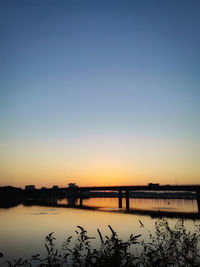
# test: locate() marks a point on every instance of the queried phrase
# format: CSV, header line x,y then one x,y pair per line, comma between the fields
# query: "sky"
x,y
99,92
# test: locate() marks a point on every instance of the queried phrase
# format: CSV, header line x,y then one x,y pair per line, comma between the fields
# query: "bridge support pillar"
x,y
54,201
71,201
51,201
127,200
198,200
120,199
81,199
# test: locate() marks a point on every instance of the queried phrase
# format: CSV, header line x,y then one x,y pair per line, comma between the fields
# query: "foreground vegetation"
x,y
166,247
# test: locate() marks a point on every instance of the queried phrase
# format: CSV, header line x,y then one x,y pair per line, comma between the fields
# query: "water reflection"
x,y
23,228
139,204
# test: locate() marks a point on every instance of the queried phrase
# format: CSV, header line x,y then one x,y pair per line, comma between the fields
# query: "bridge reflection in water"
x,y
124,191
78,197
170,208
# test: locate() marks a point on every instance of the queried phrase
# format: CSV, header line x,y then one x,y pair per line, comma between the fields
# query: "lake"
x,y
23,228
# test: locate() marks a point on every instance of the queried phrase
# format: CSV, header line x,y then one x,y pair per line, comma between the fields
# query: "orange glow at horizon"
x,y
100,160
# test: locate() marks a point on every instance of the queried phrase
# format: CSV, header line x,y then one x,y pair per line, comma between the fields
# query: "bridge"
x,y
10,196
75,192
127,189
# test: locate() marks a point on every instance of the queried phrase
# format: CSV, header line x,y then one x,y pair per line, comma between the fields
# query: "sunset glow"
x,y
99,93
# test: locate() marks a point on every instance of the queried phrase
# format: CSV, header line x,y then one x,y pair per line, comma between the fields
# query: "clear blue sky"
x,y
75,70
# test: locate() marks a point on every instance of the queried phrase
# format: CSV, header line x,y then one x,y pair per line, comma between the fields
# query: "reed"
x,y
167,246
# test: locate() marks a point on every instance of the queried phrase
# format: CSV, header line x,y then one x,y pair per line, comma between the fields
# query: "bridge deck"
x,y
193,188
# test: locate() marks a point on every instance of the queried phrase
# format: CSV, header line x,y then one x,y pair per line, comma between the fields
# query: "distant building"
x,y
43,188
72,185
29,187
153,185
55,186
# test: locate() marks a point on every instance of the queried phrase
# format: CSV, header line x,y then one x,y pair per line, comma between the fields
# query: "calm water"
x,y
23,228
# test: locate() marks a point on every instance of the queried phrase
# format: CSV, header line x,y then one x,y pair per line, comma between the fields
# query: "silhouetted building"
x,y
153,185
72,185
55,186
29,187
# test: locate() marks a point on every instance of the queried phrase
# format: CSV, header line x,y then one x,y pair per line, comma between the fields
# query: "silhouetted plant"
x,y
172,246
18,263
167,247
116,252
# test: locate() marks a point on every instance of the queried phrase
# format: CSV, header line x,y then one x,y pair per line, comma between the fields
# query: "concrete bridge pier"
x,y
127,200
120,199
198,200
81,198
51,200
71,201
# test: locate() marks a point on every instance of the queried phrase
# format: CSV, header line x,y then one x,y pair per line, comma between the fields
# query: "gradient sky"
x,y
99,92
